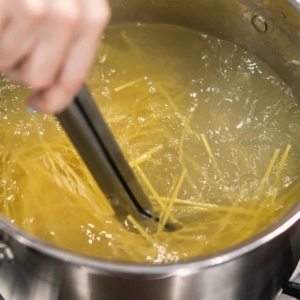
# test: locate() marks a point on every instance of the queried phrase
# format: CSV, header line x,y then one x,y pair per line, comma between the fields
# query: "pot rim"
x,y
186,267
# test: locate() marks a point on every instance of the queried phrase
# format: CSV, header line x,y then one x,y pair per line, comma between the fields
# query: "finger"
x,y
55,38
18,35
79,61
4,15
52,100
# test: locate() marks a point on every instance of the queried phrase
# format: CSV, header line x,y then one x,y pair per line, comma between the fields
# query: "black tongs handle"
x,y
292,289
98,148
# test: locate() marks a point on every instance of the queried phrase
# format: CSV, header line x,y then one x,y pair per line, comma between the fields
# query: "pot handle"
x,y
292,289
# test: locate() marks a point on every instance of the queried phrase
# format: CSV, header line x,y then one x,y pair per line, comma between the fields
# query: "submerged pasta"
x,y
209,130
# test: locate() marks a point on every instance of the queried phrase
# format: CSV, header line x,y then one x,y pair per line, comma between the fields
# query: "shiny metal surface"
x,y
94,141
254,270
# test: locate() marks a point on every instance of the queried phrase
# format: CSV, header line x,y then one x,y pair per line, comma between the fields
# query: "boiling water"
x,y
210,131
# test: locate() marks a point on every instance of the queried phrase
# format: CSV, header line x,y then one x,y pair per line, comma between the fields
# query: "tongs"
x,y
98,148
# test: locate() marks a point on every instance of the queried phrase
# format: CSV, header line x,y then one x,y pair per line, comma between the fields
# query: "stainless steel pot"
x,y
254,270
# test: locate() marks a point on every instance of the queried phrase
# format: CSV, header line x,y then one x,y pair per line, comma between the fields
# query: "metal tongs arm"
x,y
98,148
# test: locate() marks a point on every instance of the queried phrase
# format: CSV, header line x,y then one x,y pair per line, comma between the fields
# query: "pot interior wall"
x,y
278,46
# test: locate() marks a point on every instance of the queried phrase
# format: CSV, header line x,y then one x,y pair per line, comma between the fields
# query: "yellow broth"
x,y
210,131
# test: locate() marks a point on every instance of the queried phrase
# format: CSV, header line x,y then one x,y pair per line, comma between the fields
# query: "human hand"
x,y
50,46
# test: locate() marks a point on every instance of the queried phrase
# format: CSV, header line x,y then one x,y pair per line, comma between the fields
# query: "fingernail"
x,y
31,110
